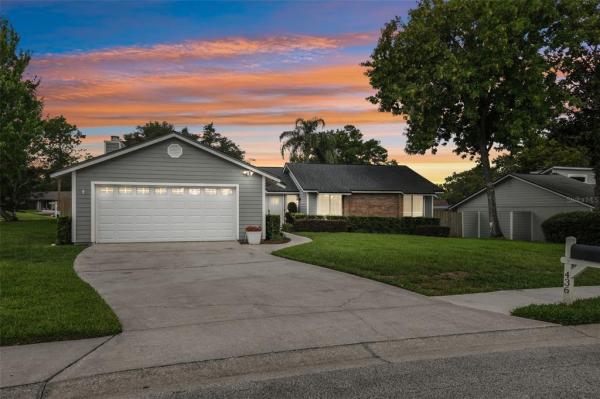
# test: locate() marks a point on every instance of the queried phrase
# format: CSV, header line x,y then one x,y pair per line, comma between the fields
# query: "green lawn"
x,y
439,266
41,297
583,311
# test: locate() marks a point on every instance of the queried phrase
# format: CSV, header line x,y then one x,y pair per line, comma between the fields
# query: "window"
x,y
125,190
143,190
413,205
195,191
160,190
274,204
226,191
329,204
210,191
106,190
177,190
581,178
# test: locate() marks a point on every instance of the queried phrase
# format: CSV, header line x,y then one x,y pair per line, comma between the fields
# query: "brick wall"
x,y
388,205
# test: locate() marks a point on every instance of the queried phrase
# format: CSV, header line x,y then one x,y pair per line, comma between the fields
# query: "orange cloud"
x,y
210,49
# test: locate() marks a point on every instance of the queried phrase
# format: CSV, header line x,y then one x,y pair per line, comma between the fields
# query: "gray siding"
x,y
303,202
312,204
515,195
152,164
522,225
469,224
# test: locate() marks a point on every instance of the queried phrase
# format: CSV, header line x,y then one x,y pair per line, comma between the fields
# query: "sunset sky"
x,y
252,68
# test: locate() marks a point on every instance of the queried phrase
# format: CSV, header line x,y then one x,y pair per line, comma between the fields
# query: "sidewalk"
x,y
505,301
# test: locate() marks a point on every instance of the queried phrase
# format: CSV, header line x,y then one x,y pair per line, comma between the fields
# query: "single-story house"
x,y
175,189
43,201
351,190
524,202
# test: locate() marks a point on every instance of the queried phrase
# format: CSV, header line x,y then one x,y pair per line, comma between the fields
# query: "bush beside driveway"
x,y
42,298
439,266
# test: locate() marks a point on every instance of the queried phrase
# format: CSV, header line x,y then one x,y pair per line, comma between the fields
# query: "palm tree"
x,y
302,142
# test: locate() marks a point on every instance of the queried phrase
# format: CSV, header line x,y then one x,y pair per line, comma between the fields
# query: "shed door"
x,y
137,213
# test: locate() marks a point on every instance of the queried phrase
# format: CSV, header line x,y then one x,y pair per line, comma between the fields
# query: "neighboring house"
x,y
43,201
524,202
351,190
584,175
175,189
167,189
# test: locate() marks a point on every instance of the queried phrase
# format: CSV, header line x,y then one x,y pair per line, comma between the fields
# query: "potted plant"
x,y
253,234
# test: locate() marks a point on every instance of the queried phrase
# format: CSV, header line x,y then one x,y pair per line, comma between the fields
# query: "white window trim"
x,y
329,194
585,177
94,183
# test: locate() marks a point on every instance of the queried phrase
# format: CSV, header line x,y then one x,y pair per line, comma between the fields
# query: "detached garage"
x,y
167,189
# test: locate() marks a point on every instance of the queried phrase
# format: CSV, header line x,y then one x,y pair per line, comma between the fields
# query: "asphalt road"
x,y
572,372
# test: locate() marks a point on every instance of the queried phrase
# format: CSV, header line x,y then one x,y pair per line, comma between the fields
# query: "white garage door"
x,y
138,213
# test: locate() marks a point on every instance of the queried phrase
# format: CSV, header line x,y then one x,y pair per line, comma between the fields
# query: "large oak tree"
x,y
479,74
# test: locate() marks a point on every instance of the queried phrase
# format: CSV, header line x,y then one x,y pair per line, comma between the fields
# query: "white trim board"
x,y
127,150
93,185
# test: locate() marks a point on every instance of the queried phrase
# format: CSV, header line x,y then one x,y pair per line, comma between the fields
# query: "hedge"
x,y
63,230
321,225
432,230
273,227
368,224
585,226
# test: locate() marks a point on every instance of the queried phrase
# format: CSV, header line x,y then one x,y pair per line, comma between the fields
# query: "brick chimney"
x,y
113,144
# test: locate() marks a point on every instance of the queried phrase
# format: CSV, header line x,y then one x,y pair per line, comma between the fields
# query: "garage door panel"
x,y
140,213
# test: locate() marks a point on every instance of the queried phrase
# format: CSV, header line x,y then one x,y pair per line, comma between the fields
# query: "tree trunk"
x,y
495,231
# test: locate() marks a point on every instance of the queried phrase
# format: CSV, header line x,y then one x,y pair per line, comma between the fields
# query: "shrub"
x,y
374,224
432,230
321,225
287,227
585,226
292,207
273,227
288,218
63,230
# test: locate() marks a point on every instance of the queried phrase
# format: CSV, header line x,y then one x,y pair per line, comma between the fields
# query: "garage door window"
x,y
143,190
160,190
178,191
125,190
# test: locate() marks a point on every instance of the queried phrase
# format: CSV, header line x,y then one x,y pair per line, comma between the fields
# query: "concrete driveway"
x,y
184,302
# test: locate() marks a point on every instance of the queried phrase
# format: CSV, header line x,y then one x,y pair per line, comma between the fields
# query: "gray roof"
x,y
328,178
566,186
559,184
47,195
285,178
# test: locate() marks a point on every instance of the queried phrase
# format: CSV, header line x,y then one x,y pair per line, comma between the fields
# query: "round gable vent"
x,y
174,150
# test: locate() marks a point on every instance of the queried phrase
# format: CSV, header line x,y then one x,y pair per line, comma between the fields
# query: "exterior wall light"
x,y
248,173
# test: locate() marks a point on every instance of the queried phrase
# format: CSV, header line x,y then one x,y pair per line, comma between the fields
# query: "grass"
x,y
582,311
41,297
439,266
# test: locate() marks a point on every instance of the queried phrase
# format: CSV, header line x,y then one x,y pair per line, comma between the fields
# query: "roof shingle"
x,y
333,178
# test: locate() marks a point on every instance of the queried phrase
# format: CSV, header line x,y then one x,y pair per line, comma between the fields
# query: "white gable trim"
x,y
127,150
524,181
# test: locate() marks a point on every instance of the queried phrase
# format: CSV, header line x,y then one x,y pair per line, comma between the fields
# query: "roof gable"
x,y
130,149
559,185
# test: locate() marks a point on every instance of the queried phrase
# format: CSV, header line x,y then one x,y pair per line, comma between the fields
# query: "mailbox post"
x,y
577,258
